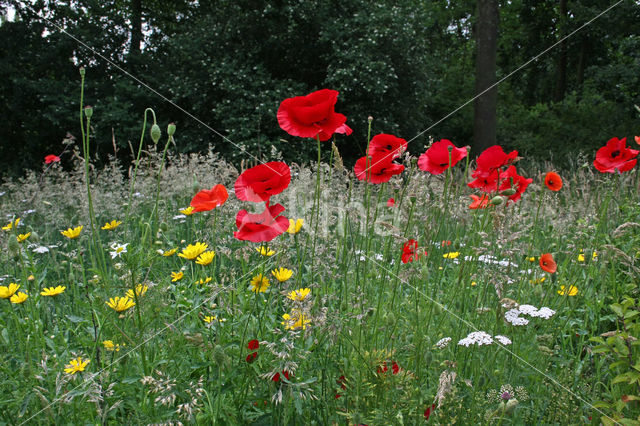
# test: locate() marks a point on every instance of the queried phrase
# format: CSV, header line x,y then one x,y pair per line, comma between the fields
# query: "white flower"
x,y
179,216
476,338
442,343
41,249
544,312
118,249
503,339
513,317
528,310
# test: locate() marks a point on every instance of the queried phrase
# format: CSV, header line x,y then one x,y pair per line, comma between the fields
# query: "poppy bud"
x,y
155,133
195,185
496,201
171,129
370,119
88,111
508,192
81,71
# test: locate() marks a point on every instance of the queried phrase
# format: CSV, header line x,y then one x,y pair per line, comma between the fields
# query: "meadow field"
x,y
415,288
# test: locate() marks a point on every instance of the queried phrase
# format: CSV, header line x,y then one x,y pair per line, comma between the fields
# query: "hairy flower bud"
x,y
171,129
155,133
497,200
88,111
508,192
81,71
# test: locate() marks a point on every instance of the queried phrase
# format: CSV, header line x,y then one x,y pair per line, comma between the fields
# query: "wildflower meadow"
x,y
413,288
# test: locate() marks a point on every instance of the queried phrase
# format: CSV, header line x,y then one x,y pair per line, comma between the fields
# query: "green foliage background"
x,y
230,63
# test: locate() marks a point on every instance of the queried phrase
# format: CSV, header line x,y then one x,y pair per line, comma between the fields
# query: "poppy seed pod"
x,y
81,70
508,192
88,111
171,129
497,200
155,133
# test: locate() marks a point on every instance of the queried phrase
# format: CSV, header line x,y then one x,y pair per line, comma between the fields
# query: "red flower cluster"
x,y
395,368
428,411
258,184
276,377
312,115
410,251
342,382
495,172
440,156
253,345
615,156
209,199
378,166
51,159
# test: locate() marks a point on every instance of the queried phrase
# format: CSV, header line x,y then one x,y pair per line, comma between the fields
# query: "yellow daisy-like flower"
x,y
531,258
176,276
581,257
9,226
171,252
22,237
571,291
209,319
259,284
72,233
140,291
451,255
188,211
299,295
111,225
8,291
120,304
295,226
76,365
192,251
204,281
53,291
264,251
295,320
19,297
206,258
282,274
110,346
473,283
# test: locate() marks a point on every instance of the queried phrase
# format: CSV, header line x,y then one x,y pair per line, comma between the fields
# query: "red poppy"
x,y
510,179
312,115
259,183
344,130
637,138
391,202
547,263
410,251
276,377
252,357
492,159
445,243
553,181
253,345
395,368
377,169
261,227
487,184
436,159
387,144
209,199
428,411
51,159
479,202
615,156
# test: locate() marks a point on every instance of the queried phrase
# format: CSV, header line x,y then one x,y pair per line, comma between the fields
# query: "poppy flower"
x,y
637,138
615,156
261,227
553,181
259,183
391,202
251,357
253,345
547,263
510,179
487,183
209,199
436,159
479,202
377,169
410,251
51,159
312,115
492,159
276,377
387,144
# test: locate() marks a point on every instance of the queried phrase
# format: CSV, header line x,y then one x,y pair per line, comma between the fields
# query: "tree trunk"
x,y
561,74
485,118
136,27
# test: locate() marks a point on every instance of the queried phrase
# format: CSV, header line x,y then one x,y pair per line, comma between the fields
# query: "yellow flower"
x,y
72,233
76,365
192,251
188,211
140,291
295,226
206,258
9,226
581,257
8,291
451,255
22,237
265,251
110,346
538,280
111,225
531,258
259,284
169,252
282,274
571,291
299,295
208,319
120,304
204,281
296,320
176,276
473,283
31,278
53,291
19,297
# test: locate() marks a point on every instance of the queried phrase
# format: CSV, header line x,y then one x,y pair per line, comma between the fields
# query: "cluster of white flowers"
x,y
482,338
502,339
513,317
377,256
491,260
442,343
